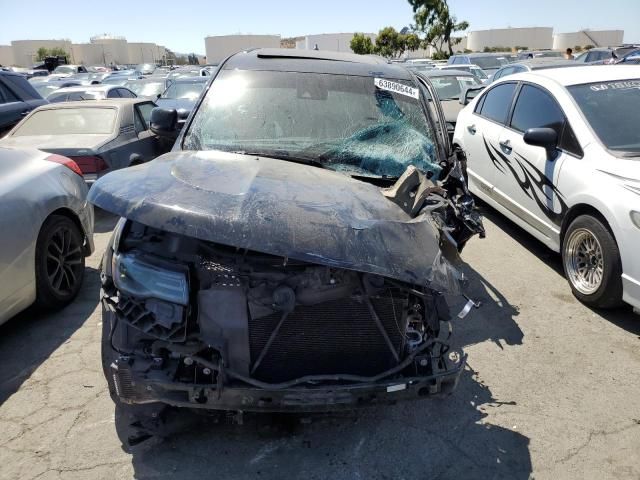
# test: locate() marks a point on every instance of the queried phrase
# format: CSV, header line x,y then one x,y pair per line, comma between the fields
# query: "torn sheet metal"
x,y
280,208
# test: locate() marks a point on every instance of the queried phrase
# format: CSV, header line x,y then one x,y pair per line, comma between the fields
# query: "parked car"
x,y
17,99
100,136
540,63
607,55
67,70
558,152
45,210
488,62
450,86
148,87
89,92
182,95
282,276
532,54
45,88
630,60
146,68
473,69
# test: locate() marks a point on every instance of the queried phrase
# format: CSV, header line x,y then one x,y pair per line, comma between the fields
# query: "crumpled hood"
x,y
280,208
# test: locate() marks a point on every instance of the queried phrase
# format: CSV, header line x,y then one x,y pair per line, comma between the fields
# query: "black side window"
x,y
113,93
536,109
6,95
124,93
496,102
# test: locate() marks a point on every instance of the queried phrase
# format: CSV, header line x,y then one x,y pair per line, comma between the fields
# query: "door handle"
x,y
25,113
506,144
472,129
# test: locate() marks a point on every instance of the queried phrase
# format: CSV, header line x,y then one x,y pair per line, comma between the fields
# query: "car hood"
x,y
56,142
623,169
280,208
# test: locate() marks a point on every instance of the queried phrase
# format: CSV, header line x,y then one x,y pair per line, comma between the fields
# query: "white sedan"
x,y
558,152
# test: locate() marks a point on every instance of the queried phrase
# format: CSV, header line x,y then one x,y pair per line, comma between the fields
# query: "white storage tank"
x,y
220,47
597,38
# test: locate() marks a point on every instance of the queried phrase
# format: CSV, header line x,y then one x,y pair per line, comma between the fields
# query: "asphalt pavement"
x,y
552,391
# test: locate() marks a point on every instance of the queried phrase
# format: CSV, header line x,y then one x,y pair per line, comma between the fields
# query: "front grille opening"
x,y
335,337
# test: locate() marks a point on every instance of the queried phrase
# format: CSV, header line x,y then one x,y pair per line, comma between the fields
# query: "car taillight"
x,y
67,162
90,164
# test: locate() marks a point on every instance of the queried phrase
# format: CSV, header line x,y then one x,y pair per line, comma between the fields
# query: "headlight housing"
x,y
135,276
635,218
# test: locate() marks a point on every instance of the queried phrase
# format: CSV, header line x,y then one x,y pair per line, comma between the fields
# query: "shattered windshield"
x,y
358,125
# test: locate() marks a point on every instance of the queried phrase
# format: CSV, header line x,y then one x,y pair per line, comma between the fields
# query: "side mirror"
x,y
546,138
164,122
158,95
470,93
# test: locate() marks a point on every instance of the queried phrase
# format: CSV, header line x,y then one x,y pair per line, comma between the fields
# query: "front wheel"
x,y
59,262
592,263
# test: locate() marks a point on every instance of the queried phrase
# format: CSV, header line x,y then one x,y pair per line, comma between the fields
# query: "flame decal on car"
x,y
534,183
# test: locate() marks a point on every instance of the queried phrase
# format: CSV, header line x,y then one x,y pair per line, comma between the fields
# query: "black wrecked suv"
x,y
17,99
292,252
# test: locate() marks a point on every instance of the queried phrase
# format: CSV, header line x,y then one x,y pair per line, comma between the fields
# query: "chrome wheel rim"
x,y
64,261
583,261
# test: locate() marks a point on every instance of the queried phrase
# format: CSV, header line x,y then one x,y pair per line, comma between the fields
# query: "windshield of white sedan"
x,y
68,121
609,107
450,88
359,125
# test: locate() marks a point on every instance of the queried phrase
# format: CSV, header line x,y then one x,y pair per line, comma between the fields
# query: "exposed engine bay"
x,y
247,319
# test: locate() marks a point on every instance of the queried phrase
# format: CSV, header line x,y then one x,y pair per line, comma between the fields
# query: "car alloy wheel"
x,y
584,261
64,261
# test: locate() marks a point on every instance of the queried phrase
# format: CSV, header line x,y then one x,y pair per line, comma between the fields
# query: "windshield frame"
x,y
420,81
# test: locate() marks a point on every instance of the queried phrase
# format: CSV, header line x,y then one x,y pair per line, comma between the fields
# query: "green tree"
x,y
412,42
361,44
58,52
41,54
434,19
589,47
390,43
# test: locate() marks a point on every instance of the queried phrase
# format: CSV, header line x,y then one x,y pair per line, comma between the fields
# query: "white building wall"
x,y
532,38
334,42
6,55
143,52
597,38
220,47
115,50
86,54
24,51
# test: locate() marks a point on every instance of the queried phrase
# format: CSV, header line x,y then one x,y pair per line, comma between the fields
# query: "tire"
x,y
60,263
592,264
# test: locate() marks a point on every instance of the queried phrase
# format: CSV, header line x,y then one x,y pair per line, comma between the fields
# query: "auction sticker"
x,y
622,85
396,87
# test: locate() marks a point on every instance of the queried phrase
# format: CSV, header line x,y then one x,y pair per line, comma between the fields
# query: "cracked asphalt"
x,y
552,392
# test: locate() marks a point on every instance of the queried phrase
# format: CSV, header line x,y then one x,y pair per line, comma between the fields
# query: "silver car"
x,y
48,230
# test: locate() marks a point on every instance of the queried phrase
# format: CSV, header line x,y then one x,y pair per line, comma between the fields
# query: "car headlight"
x,y
635,218
135,276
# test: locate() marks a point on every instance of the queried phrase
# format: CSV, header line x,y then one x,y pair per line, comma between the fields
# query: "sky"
x,y
182,25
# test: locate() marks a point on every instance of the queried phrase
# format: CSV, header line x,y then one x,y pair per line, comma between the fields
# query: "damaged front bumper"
x,y
147,385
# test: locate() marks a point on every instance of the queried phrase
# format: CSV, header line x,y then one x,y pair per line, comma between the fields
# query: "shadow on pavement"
x,y
622,317
433,438
438,438
29,338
